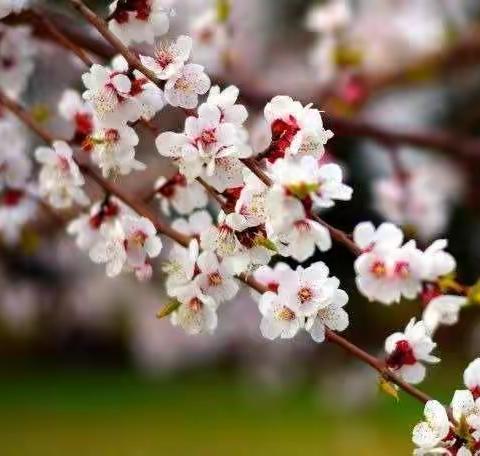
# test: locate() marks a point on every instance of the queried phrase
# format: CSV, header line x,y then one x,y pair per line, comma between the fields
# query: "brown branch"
x,y
168,231
102,28
59,37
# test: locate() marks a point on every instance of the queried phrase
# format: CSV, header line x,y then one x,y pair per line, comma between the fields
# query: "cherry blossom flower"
x,y
170,58
86,227
408,351
109,93
210,43
387,235
386,275
197,223
464,406
110,249
60,179
12,6
331,316
113,150
215,279
471,377
250,205
138,21
328,17
15,166
180,195
278,320
290,228
304,178
146,94
271,277
225,100
241,250
17,208
429,434
183,88
305,298
75,110
296,130
128,243
17,52
204,146
197,312
437,262
180,267
443,310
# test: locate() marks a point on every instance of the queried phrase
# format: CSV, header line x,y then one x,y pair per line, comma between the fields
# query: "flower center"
x,y
163,58
208,137
215,279
112,136
286,314
138,238
378,269
182,84
304,295
12,197
195,305
401,356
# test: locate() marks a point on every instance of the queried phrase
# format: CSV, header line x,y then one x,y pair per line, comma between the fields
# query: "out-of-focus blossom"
x,y
17,51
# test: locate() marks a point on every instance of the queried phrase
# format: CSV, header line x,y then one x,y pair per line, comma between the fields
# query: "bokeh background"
x,y
87,369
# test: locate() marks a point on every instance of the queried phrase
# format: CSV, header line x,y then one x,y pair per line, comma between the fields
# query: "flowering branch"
x,y
183,240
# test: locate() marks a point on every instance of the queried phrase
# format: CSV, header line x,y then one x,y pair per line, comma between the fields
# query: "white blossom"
x,y
15,166
215,279
225,100
408,351
197,312
12,6
296,130
437,262
60,179
471,377
86,227
204,146
177,193
428,435
109,93
183,88
17,52
78,112
114,150
180,267
197,223
169,58
127,245
140,21
145,93
443,310
17,208
210,40
305,178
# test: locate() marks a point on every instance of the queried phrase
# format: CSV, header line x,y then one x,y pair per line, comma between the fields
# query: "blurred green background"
x,y
47,411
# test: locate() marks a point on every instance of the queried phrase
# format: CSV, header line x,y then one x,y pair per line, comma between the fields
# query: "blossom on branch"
x,y
60,179
408,351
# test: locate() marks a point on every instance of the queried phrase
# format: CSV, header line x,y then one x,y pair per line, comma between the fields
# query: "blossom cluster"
x,y
459,433
388,270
